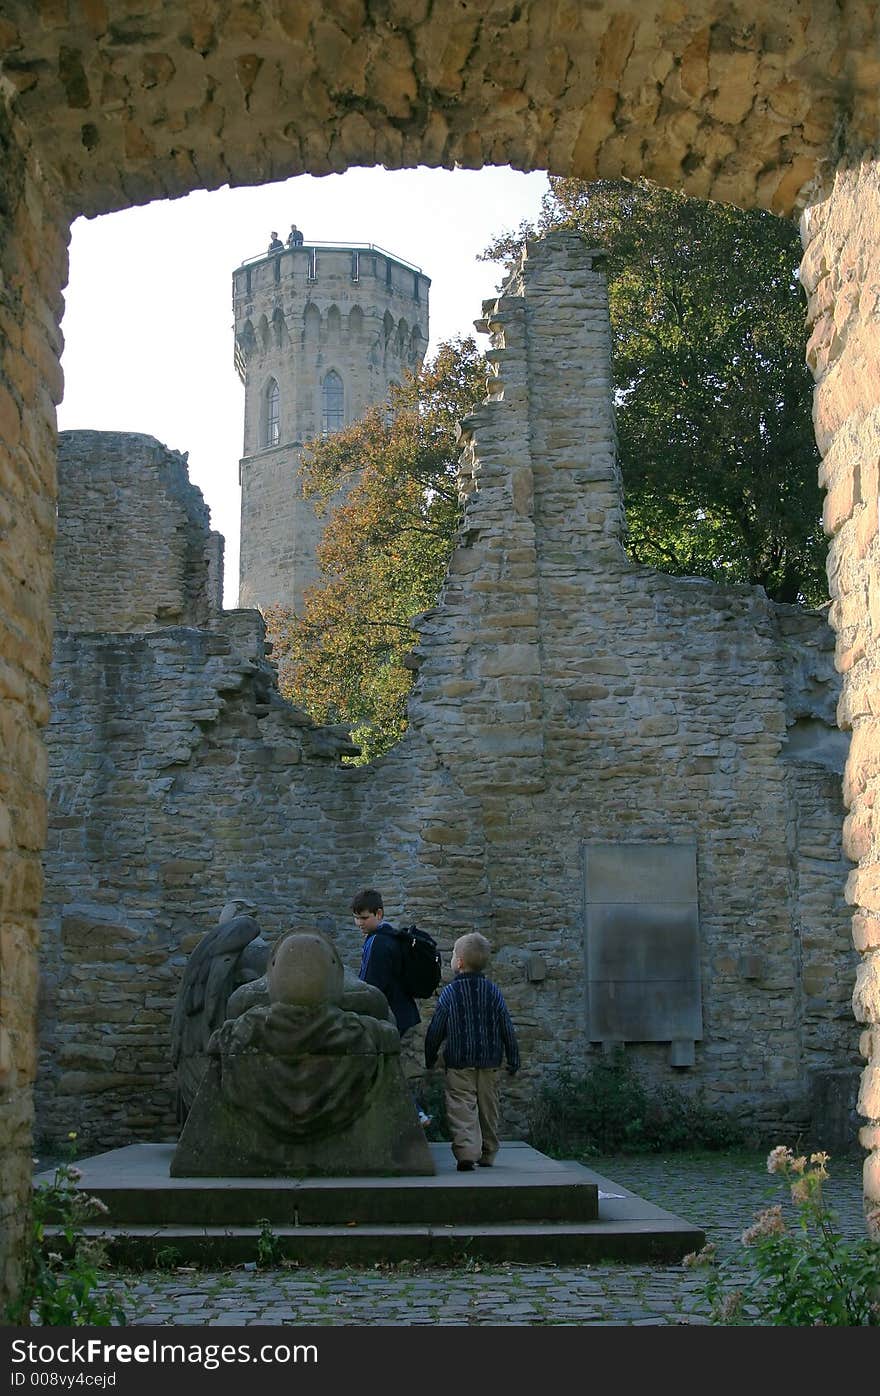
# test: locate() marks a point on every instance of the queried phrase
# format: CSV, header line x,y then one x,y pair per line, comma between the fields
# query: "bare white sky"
x,y
148,320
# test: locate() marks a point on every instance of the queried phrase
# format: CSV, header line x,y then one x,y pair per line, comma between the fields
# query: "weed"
x,y
61,1287
268,1245
166,1258
801,1276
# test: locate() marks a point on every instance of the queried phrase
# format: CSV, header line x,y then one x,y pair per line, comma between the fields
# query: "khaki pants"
x,y
472,1111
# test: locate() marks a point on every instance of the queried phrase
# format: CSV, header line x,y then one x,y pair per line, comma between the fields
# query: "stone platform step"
x,y
557,1243
523,1185
527,1207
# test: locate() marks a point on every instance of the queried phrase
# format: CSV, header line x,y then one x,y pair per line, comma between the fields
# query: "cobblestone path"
x,y
719,1192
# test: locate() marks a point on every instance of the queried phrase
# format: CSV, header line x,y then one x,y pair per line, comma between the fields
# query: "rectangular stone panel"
x,y
641,872
642,944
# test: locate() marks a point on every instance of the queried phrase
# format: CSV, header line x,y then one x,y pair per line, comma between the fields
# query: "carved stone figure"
x,y
298,1083
357,997
231,955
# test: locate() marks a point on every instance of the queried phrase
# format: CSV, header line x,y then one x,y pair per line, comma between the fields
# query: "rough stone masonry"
x,y
566,701
101,108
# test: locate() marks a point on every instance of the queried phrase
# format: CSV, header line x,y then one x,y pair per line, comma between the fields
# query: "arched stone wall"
x,y
103,108
729,99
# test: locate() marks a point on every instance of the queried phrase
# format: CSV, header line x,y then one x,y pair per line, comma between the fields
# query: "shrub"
x,y
804,1275
62,1287
606,1109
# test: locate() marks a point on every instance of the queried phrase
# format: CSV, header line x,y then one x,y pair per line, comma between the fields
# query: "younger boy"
x,y
472,1021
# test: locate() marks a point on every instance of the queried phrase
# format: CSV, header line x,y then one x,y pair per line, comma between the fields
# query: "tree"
x,y
713,395
716,445
388,483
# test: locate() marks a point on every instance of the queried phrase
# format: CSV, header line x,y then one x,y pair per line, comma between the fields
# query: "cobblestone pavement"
x,y
718,1192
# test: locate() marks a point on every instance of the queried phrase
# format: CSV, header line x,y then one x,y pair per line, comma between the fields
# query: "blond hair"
x,y
472,951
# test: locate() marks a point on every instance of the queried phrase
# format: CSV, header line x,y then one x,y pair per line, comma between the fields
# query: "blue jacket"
x,y
382,965
472,1020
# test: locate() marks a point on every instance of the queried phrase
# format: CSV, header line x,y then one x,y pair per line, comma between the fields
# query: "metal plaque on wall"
x,y
642,942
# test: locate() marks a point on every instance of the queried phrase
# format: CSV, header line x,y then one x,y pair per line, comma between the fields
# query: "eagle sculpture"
x,y
232,954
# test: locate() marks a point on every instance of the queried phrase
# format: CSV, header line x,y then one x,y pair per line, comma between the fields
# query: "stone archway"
x,y
103,108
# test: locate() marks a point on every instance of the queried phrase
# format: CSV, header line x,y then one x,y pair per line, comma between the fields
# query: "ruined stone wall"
x,y
134,548
178,777
841,272
733,100
564,697
33,263
728,99
577,698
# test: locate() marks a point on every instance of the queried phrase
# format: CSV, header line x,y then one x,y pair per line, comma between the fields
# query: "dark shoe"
x,y
464,1165
484,1162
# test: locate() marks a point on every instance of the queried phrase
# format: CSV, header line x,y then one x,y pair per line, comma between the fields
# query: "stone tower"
x,y
321,331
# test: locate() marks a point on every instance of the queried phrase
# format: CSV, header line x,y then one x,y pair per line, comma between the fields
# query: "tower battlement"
x,y
321,332
320,263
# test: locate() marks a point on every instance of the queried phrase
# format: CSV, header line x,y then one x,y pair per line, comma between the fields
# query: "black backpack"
x,y
420,961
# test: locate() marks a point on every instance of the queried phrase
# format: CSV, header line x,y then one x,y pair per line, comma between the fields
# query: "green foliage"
x,y
605,1108
269,1251
389,482
714,398
167,1258
62,1287
432,1099
797,1275
715,437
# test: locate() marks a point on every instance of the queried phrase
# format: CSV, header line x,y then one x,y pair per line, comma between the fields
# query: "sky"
x,y
148,318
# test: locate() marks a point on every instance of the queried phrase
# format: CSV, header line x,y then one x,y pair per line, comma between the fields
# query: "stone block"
x,y
833,1110
866,994
647,873
868,1103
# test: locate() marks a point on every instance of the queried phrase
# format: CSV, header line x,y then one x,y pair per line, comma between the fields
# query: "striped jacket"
x,y
472,1022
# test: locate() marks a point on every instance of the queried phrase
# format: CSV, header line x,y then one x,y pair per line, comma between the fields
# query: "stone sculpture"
x,y
300,1083
230,956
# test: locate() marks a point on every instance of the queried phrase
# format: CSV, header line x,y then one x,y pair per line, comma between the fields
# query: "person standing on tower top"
x,y
294,237
275,244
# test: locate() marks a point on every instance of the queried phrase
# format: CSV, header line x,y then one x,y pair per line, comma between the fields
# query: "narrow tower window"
x,y
355,266
332,403
271,435
313,264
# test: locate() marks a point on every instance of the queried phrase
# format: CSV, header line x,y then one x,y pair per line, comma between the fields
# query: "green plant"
x,y
268,1245
712,394
605,1108
432,1099
800,1275
384,551
61,1287
167,1257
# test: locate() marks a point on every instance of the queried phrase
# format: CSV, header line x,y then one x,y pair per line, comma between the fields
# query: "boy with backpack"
x,y
472,1022
402,963
382,958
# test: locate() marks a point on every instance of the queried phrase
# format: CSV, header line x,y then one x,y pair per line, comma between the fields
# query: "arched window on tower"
x,y
332,403
272,428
